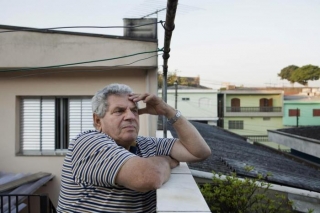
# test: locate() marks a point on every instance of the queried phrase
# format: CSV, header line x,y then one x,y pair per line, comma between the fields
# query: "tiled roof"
x,y
312,132
231,152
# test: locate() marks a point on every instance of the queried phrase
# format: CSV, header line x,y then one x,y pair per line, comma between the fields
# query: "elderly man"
x,y
112,169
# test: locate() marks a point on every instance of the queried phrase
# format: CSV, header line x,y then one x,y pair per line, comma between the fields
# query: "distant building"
x,y
251,112
195,103
303,141
301,110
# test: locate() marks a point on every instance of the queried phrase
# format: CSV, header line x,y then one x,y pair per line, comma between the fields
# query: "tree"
x,y
171,77
306,73
287,72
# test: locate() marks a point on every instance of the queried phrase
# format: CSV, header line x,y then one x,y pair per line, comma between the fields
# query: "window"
x,y
316,112
294,112
235,124
186,99
266,118
49,123
265,105
235,105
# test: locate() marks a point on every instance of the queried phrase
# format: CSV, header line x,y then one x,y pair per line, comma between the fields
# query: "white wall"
x,y
34,49
202,104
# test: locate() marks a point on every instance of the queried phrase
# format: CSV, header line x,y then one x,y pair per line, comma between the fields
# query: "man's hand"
x,y
154,105
190,146
172,162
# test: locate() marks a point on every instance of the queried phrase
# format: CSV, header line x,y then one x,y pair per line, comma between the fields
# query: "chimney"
x,y
146,31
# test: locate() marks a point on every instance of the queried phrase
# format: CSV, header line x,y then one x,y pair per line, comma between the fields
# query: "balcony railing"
x,y
18,202
254,109
257,138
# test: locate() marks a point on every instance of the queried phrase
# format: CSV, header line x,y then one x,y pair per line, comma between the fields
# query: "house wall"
x,y
306,117
202,104
252,100
58,84
254,125
34,49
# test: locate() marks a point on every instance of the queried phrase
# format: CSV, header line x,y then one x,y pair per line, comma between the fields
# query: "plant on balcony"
x,y
234,195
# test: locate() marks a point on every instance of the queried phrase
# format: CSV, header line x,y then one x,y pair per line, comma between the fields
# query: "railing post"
x,y
43,203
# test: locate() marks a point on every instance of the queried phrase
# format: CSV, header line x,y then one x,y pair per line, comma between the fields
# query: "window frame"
x,y
235,124
315,112
294,112
60,145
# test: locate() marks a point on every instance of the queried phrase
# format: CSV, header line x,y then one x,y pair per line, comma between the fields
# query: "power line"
x,y
77,63
87,70
74,27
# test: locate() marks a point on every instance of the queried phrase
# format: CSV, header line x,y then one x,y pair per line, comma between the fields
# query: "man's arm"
x,y
145,174
190,146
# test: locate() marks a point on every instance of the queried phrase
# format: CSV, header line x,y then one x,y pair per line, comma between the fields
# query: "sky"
x,y
238,42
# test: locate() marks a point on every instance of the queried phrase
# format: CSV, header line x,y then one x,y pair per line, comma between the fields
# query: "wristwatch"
x,y
174,118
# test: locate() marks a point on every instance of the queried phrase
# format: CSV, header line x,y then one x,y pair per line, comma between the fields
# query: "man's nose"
x,y
129,114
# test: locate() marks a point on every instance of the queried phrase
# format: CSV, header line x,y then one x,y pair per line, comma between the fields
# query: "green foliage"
x,y
172,77
287,72
306,73
300,75
233,195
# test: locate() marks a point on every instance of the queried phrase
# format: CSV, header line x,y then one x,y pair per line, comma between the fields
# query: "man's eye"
x,y
118,111
135,111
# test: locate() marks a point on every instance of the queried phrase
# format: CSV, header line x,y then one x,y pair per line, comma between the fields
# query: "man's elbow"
x,y
205,154
149,183
151,178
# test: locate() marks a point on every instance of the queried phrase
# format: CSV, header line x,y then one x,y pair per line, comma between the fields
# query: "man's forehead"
x,y
120,101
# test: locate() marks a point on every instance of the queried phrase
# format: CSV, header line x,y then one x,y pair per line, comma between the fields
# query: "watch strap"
x,y
175,117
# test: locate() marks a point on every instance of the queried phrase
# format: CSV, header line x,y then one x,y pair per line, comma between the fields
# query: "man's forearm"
x,y
149,173
191,139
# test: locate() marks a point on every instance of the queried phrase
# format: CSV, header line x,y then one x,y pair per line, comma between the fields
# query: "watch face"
x,y
175,118
178,114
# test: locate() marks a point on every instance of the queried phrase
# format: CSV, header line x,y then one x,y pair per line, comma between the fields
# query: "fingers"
x,y
139,97
142,111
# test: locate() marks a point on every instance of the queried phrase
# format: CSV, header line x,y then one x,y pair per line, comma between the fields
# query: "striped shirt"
x,y
89,172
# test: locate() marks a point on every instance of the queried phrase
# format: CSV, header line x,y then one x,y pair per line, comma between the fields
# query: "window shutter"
x,y
48,124
80,116
37,124
316,112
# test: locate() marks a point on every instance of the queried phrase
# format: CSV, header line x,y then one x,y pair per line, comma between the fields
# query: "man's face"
x,y
121,120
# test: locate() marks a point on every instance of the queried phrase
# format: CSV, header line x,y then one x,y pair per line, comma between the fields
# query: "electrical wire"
x,y
73,27
77,63
87,70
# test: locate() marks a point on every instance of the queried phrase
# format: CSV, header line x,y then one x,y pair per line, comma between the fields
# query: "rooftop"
x,y
231,153
312,132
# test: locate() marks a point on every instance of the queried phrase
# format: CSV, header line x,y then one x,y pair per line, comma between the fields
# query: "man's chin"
x,y
130,137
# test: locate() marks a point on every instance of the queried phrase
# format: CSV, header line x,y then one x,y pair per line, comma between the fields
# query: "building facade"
x,y
195,104
301,111
250,113
47,79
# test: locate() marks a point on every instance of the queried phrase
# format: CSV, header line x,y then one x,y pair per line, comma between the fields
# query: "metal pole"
x,y
168,28
176,94
297,113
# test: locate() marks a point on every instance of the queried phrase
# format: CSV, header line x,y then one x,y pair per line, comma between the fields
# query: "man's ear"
x,y
96,122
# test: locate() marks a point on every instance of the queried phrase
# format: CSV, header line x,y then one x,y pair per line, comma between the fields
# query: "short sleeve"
x,y
96,159
164,145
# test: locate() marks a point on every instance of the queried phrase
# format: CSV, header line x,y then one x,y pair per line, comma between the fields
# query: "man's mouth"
x,y
129,127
